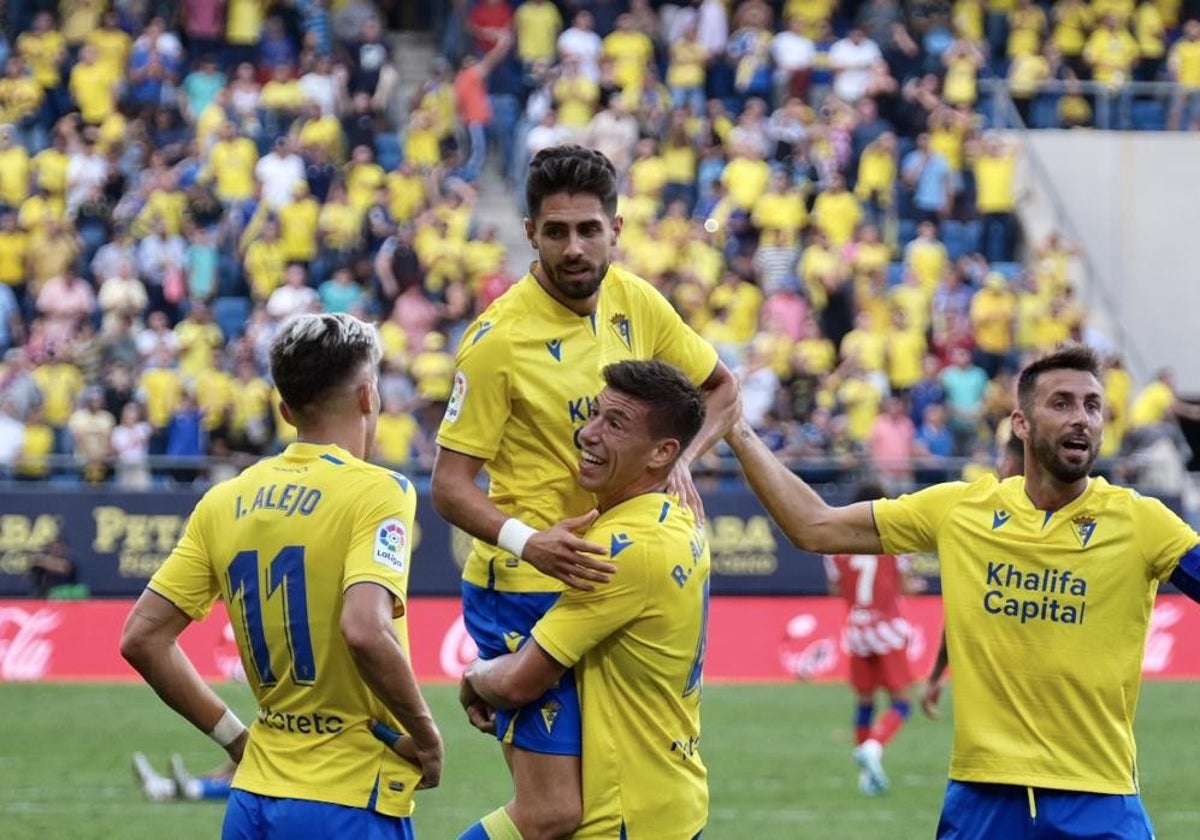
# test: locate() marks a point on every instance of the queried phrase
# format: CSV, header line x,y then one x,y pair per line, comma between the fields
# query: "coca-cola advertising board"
x,y
749,639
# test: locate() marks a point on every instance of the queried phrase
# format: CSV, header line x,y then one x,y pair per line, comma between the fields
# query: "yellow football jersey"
x,y
279,545
637,644
528,374
1046,617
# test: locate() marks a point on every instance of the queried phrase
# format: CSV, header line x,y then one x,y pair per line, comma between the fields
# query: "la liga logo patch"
x,y
391,545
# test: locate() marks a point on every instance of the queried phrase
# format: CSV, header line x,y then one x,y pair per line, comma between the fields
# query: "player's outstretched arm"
x,y
557,551
721,410
366,624
803,516
150,643
932,691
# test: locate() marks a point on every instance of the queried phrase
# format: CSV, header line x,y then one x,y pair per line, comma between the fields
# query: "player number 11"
x,y
286,568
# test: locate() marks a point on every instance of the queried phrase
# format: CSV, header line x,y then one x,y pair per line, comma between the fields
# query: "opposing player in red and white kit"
x,y
876,641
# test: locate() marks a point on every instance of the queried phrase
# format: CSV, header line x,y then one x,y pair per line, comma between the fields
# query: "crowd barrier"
x,y
749,640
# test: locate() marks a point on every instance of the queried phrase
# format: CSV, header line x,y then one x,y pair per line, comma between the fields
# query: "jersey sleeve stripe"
x,y
1186,576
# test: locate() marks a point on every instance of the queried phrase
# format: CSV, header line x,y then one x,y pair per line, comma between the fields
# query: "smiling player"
x,y
1048,583
637,644
528,374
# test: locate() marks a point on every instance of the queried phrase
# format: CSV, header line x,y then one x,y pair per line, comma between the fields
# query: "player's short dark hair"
x,y
1067,357
571,169
676,406
314,355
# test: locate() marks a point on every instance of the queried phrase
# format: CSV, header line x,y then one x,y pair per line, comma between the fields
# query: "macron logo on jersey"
x,y
554,345
999,518
484,328
619,543
391,545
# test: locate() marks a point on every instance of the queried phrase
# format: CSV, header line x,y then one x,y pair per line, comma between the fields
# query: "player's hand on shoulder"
x,y
680,483
560,553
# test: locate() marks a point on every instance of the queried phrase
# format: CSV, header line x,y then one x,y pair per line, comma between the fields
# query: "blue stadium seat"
x,y
953,234
908,231
1044,112
1149,115
387,150
895,273
1010,270
230,314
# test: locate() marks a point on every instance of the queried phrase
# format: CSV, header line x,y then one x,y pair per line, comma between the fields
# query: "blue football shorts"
x,y
251,816
499,622
977,811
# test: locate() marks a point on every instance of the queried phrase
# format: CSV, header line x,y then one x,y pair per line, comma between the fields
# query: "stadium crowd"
x,y
809,182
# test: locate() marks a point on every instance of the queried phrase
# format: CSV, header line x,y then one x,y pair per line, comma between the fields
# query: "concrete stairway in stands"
x,y
413,54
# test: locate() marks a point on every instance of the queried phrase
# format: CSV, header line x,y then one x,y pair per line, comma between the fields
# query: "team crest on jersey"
x,y
1000,518
1083,526
550,714
554,345
391,545
620,323
458,396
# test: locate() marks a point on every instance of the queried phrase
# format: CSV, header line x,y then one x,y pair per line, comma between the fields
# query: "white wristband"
x,y
228,728
513,535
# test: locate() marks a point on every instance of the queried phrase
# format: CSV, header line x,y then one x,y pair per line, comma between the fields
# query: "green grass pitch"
x,y
779,759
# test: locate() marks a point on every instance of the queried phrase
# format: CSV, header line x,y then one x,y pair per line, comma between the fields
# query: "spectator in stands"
x,y
965,384
1159,402
996,196
37,446
613,131
91,428
155,66
993,311
926,257
64,302
129,444
934,445
853,60
14,253
160,388
12,435
121,295
1026,73
294,297
1150,32
891,446
793,55
17,383
1183,66
186,438
927,174
1111,52
12,324
470,92
161,255
581,46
